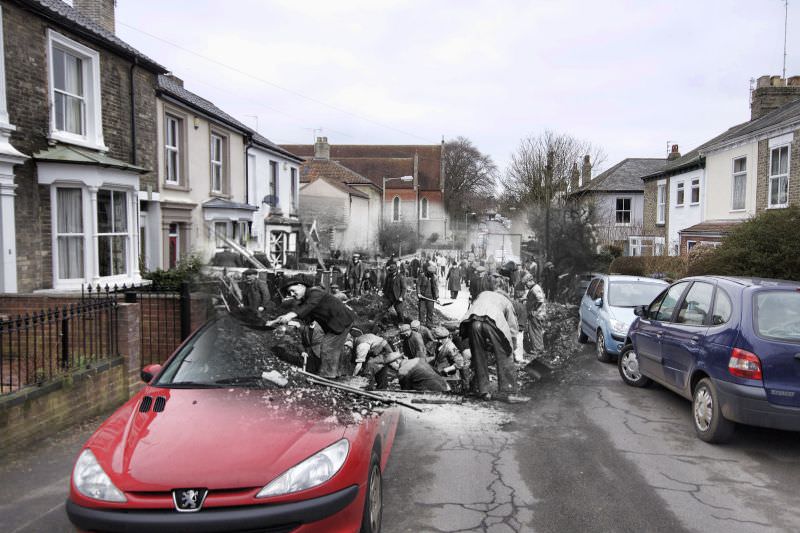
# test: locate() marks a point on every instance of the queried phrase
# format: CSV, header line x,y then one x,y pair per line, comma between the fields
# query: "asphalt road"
x,y
587,453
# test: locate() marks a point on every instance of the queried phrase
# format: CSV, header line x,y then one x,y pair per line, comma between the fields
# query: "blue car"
x,y
606,310
731,345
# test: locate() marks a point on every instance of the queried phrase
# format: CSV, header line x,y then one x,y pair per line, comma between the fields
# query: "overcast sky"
x,y
629,76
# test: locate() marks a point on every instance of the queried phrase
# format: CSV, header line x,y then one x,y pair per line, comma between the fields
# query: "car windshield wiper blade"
x,y
237,380
189,385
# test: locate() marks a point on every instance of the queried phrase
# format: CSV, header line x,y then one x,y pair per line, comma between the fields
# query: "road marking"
x,y
23,526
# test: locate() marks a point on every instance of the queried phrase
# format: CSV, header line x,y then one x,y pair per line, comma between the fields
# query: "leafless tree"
x,y
471,176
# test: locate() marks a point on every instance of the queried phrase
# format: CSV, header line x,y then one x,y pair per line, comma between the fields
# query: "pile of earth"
x,y
560,334
373,314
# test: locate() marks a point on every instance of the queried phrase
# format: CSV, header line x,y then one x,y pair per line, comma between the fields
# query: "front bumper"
x,y
614,343
275,518
749,405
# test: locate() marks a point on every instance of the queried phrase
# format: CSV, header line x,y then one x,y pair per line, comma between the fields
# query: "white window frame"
x,y
695,185
424,209
737,175
170,149
396,210
661,203
680,194
690,245
228,233
217,165
56,248
629,210
126,234
294,187
771,177
92,136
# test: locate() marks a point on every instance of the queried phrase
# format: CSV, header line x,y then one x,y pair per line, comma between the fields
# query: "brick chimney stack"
x,y
100,11
586,171
674,153
322,150
574,178
772,92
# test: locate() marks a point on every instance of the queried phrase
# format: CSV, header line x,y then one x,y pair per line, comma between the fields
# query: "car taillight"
x,y
744,364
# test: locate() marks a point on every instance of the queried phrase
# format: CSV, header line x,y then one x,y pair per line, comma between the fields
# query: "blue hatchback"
x,y
731,345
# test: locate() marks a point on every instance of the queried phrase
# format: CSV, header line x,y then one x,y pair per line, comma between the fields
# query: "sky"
x,y
629,76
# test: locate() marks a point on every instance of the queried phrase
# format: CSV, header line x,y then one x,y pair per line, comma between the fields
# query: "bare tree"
x,y
471,176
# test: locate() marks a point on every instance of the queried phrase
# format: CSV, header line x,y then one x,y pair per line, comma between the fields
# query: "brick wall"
x,y
650,227
25,40
762,170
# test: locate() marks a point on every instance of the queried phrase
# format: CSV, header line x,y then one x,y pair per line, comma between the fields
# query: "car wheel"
x,y
602,354
628,364
583,338
373,503
709,424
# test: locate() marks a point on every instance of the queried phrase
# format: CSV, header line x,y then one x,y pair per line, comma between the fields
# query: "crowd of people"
x,y
505,321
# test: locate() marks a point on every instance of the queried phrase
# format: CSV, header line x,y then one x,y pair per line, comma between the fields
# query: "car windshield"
x,y
778,315
632,293
224,354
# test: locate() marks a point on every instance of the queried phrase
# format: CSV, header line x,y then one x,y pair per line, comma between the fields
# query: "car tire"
x,y
583,338
602,354
373,502
628,365
709,424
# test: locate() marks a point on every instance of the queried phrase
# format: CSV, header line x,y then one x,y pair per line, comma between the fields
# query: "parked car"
x,y
606,310
731,345
206,445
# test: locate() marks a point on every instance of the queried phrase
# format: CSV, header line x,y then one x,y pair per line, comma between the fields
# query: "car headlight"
x,y
619,327
314,471
91,480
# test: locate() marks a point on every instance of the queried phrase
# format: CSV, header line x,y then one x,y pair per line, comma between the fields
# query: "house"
x,y
417,200
753,166
345,205
77,147
617,196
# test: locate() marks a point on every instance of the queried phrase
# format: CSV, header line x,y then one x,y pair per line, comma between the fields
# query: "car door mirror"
x,y
640,310
598,302
148,372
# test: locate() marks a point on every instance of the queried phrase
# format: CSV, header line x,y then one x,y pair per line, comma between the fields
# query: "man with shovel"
x,y
427,292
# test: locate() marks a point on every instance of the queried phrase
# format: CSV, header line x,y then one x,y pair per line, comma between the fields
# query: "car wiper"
x,y
188,385
238,380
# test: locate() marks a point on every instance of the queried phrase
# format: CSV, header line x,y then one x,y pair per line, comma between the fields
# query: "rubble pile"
x,y
560,333
374,316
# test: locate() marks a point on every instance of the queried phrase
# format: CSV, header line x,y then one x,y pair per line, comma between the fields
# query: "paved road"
x,y
587,453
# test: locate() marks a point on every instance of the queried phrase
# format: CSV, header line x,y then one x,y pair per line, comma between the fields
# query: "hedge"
x,y
673,267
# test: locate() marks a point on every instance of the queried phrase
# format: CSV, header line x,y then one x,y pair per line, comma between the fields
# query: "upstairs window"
x,y
623,211
217,163
172,151
739,189
273,182
74,92
662,204
695,191
778,176
680,196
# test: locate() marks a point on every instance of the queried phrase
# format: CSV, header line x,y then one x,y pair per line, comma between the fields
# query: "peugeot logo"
x,y
189,500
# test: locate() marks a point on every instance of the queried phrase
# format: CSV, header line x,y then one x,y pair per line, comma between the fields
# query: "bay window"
x,y
112,232
69,233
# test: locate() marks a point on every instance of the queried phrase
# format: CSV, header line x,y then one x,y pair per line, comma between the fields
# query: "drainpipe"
x,y
247,169
133,111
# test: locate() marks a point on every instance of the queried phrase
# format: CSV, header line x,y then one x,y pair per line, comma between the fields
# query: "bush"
x,y
397,238
672,267
186,270
765,246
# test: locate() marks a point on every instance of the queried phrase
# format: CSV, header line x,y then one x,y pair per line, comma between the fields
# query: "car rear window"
x,y
777,315
632,293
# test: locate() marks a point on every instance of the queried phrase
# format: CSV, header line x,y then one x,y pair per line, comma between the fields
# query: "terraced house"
x,y
78,150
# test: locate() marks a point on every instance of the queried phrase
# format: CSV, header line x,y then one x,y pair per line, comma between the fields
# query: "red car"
x,y
207,445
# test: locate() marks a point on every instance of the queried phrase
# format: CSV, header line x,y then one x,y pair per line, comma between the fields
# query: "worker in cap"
x,y
417,374
394,291
354,274
447,354
378,369
334,318
427,335
367,346
427,292
412,343
255,293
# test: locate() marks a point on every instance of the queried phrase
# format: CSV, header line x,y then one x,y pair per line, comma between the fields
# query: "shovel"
x,y
437,302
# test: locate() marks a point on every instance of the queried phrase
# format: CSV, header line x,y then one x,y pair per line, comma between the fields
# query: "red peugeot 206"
x,y
210,444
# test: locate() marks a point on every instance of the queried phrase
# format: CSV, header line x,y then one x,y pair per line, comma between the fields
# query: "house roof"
x,y
625,176
63,14
376,161
172,87
335,174
712,227
63,153
784,116
269,145
221,203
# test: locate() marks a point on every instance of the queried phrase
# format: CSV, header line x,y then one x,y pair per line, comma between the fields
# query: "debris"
x,y
273,376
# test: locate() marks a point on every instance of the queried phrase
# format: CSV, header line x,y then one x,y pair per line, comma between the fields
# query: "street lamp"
x,y
385,179
466,228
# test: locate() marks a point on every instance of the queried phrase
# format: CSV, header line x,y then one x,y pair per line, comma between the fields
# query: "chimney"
x,y
586,171
674,153
772,92
322,150
175,79
100,11
574,178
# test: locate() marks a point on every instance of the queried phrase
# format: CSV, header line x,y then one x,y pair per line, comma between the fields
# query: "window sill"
x,y
738,210
176,187
217,194
661,224
58,136
778,206
679,205
694,204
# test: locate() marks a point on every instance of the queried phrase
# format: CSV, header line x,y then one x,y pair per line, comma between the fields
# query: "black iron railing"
x,y
37,347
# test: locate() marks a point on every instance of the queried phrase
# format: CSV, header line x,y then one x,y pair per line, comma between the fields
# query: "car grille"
x,y
158,405
147,401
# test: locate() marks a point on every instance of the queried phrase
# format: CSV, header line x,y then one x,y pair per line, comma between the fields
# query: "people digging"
x,y
412,343
378,369
334,318
417,374
255,293
368,346
394,290
428,292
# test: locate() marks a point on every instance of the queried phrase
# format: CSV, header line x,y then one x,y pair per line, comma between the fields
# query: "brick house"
x,y
418,201
617,196
80,105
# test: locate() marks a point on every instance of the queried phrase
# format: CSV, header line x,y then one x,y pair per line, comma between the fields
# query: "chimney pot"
x,y
674,153
322,150
772,92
